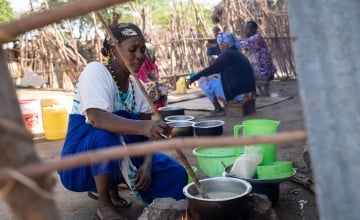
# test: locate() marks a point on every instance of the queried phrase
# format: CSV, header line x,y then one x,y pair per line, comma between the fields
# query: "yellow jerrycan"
x,y
181,86
55,119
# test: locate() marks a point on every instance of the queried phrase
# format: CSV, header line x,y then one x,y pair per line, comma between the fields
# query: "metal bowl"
x,y
171,110
227,198
179,118
181,128
208,128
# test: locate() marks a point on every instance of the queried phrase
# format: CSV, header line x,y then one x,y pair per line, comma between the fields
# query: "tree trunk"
x,y
17,150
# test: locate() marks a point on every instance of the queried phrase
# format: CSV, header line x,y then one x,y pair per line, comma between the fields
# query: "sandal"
x,y
117,201
102,217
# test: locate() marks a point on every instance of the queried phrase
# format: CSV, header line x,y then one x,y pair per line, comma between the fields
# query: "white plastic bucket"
x,y
30,110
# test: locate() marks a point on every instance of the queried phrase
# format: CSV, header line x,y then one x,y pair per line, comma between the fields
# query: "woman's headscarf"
x,y
150,52
228,38
121,32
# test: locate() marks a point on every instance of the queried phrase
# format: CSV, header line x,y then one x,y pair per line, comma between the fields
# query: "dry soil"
x,y
295,202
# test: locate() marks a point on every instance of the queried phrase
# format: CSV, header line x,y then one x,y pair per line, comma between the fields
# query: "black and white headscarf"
x,y
122,31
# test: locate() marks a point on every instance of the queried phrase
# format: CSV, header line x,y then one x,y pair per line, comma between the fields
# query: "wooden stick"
x,y
150,102
10,30
133,74
17,150
191,172
146,148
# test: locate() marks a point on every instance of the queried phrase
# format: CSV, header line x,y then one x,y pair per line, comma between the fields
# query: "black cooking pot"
x,y
208,128
171,110
227,198
181,128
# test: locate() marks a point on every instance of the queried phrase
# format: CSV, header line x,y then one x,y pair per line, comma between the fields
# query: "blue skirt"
x,y
168,176
212,87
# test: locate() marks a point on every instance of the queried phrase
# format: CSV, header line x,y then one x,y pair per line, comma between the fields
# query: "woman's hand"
x,y
154,129
188,83
143,176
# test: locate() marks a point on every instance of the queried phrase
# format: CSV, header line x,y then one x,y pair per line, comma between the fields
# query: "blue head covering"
x,y
228,38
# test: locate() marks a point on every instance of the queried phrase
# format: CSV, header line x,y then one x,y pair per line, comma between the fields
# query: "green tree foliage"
x,y
6,11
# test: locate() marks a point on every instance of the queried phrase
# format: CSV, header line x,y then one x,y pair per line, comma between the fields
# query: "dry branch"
x,y
146,148
133,74
17,152
148,99
10,30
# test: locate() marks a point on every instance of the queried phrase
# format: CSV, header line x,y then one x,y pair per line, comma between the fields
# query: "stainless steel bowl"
x,y
179,118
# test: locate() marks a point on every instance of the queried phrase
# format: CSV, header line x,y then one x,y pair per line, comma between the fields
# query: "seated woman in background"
x,y
109,109
149,74
211,85
212,48
258,52
236,73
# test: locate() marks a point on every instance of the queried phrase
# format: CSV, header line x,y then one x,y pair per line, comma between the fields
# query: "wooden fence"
x,y
60,60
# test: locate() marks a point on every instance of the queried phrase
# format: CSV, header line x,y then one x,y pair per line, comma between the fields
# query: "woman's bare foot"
x,y
106,210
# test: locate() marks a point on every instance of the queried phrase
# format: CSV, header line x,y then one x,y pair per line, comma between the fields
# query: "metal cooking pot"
x,y
181,128
218,207
171,110
179,118
208,128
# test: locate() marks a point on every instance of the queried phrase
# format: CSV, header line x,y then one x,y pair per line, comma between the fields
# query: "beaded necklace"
x,y
124,95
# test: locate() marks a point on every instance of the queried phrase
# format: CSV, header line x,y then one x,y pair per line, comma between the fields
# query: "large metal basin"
x,y
227,198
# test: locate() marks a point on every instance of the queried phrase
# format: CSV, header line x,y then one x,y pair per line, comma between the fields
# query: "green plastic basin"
x,y
213,160
278,170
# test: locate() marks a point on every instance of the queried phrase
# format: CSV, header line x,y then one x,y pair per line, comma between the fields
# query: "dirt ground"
x,y
295,202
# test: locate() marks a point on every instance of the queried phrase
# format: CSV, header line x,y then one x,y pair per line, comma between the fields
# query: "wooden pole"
x,y
150,102
24,202
145,148
17,149
10,30
327,56
133,74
